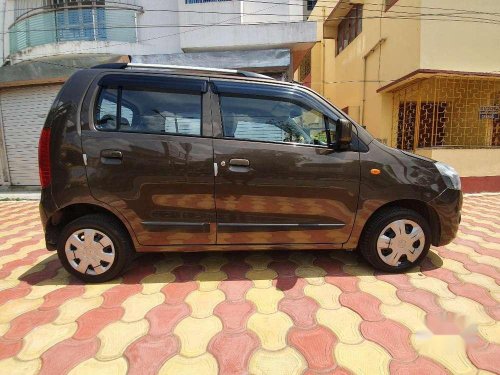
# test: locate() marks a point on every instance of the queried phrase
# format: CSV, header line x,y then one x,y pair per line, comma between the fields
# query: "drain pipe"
x,y
363,94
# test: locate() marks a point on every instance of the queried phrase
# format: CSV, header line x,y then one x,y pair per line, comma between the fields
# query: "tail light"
x,y
44,158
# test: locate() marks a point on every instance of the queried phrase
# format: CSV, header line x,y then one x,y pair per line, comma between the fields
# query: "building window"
x,y
311,4
350,27
389,4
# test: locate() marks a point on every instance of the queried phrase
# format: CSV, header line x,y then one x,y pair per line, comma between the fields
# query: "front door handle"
x,y
111,154
239,162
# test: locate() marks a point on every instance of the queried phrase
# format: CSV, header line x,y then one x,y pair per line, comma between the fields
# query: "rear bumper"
x,y
448,206
47,209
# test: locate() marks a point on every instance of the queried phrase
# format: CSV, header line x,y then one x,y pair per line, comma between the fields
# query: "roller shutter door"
x,y
24,110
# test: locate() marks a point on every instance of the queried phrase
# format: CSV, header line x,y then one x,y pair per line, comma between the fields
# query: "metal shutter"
x,y
24,110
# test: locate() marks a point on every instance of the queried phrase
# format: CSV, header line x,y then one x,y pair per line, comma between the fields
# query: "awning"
x,y
269,60
51,70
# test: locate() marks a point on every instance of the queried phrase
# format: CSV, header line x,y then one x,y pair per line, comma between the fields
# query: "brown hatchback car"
x,y
139,158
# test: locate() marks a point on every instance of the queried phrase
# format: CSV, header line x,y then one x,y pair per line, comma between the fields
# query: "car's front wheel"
x,y
395,239
94,248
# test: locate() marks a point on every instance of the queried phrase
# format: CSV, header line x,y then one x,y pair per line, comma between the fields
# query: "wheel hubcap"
x,y
401,241
90,251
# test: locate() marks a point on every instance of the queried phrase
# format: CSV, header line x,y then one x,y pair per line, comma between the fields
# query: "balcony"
x,y
58,24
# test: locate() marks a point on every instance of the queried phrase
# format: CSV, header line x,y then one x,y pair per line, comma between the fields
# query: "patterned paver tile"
x,y
253,312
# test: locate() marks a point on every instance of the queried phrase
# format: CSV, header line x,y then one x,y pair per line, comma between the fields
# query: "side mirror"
x,y
343,134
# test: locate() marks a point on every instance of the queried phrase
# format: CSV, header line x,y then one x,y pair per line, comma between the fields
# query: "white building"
x,y
43,41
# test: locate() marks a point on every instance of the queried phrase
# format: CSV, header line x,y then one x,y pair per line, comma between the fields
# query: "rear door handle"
x,y
111,154
113,157
239,162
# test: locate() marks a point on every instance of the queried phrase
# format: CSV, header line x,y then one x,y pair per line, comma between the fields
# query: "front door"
x,y
148,157
277,181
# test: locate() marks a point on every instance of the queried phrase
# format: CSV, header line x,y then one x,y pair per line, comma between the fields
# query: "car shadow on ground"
x,y
283,268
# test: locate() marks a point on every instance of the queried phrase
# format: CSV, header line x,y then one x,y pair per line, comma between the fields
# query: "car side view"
x,y
146,158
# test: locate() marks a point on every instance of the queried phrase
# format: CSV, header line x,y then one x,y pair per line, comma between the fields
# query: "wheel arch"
x,y
67,214
422,208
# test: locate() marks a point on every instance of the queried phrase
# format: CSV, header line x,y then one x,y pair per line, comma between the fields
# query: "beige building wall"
x,y
392,47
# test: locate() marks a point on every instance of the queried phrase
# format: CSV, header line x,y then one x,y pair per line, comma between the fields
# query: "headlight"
x,y
450,175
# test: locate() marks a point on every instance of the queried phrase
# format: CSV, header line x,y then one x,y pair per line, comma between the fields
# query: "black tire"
x,y
372,231
123,247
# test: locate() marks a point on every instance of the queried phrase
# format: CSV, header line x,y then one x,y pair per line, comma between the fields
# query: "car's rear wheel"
x,y
395,239
94,248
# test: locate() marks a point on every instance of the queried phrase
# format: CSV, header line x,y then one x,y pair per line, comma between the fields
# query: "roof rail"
x,y
197,69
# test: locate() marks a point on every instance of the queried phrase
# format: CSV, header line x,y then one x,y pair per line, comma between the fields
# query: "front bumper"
x,y
448,206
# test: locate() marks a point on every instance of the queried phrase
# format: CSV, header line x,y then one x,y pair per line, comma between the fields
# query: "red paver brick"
x,y
186,272
177,292
66,354
284,268
367,306
24,323
400,281
58,297
147,355
14,293
117,295
421,298
345,283
302,311
293,288
485,269
316,345
474,292
440,273
93,321
9,348
394,337
445,323
487,358
235,290
234,315
233,351
420,366
163,318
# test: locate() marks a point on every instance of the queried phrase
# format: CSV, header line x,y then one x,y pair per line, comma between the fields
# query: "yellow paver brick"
x,y
116,336
71,310
490,333
208,281
195,334
433,285
13,366
96,290
203,303
407,314
343,322
286,362
41,338
363,358
326,295
486,259
258,261
266,300
449,350
262,278
138,305
39,291
472,311
312,274
385,292
271,329
154,283
16,307
213,263
179,365
93,366
361,270
482,281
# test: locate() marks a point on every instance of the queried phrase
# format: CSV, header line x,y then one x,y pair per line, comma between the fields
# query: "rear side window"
x,y
271,120
148,111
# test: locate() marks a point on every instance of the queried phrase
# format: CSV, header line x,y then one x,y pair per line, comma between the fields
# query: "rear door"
x,y
278,182
149,155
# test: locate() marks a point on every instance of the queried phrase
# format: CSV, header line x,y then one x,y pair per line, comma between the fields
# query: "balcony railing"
x,y
86,23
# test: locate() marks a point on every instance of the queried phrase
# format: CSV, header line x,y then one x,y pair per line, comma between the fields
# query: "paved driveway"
x,y
253,312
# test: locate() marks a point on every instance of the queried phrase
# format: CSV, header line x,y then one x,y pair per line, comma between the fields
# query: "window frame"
x,y
353,20
134,82
326,120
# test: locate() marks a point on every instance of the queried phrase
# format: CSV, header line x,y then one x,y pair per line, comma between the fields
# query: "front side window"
x,y
270,120
148,111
